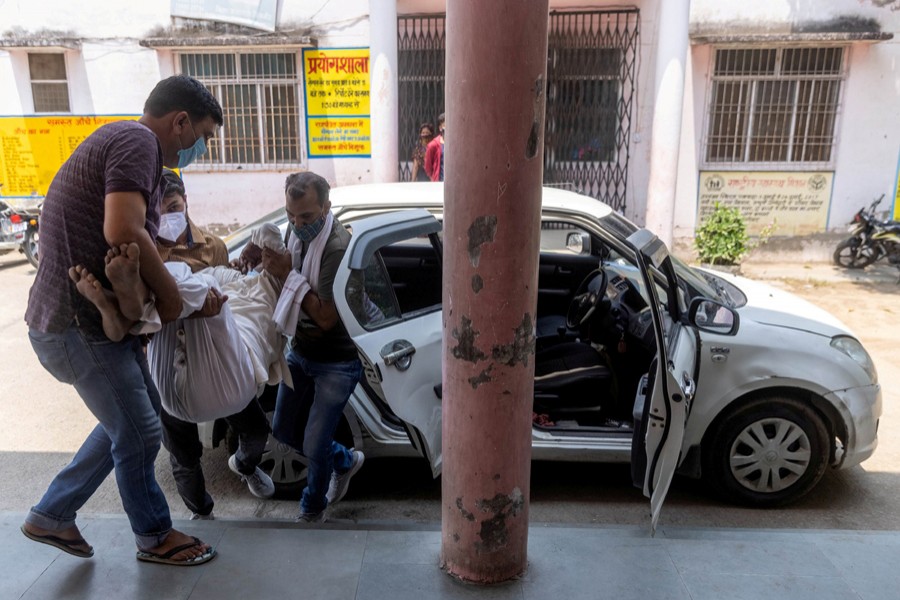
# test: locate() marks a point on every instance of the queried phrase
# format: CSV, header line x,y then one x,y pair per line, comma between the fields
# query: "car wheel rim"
x,y
284,465
770,455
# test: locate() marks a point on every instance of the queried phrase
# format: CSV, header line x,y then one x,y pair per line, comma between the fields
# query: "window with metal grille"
x,y
591,83
583,96
420,73
49,86
774,105
260,97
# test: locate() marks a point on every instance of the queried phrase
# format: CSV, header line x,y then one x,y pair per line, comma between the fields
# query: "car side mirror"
x,y
578,242
713,316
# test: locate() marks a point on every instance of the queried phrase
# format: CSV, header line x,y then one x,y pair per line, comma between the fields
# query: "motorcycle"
x,y
19,230
871,240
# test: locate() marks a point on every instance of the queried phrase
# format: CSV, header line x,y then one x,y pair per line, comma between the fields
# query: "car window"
x,y
401,281
564,238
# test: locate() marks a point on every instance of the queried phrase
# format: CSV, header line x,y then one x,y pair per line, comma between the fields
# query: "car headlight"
x,y
852,348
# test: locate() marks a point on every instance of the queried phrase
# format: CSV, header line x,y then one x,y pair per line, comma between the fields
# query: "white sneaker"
x,y
199,517
305,517
259,483
337,487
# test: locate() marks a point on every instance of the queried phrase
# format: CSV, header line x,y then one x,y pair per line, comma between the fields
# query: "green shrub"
x,y
721,239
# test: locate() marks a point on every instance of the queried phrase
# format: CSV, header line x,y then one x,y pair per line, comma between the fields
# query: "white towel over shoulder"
x,y
298,284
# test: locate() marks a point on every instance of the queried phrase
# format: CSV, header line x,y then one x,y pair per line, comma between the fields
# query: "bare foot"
x,y
68,540
115,325
177,538
123,270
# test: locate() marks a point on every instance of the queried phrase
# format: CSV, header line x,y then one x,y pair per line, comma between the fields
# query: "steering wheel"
x,y
588,297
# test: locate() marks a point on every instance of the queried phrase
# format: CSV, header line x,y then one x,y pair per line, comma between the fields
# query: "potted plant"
x,y
721,239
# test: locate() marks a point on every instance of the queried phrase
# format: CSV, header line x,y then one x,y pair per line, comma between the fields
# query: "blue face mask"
x,y
308,233
188,155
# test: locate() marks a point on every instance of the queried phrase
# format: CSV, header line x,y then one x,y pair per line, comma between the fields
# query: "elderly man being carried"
x,y
211,366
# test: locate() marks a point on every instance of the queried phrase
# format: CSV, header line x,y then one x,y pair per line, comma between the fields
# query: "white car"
x,y
638,357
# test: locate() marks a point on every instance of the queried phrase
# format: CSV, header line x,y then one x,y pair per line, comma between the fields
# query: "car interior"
x,y
594,335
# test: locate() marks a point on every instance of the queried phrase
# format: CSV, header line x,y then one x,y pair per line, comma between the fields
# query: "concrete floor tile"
x,y
22,561
418,582
737,557
403,547
288,562
717,586
586,576
868,564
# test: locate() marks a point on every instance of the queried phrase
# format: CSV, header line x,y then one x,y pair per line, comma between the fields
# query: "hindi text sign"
x,y
337,102
32,149
795,202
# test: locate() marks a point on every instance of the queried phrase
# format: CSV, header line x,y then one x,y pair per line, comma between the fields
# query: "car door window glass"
x,y
400,281
564,238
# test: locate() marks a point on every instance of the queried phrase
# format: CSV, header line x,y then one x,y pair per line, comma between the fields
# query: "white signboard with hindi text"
x,y
787,203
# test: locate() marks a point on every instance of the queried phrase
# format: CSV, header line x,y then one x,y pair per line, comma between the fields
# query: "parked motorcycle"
x,y
19,230
870,241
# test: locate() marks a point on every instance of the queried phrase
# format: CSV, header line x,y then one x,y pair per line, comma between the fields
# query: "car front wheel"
x,y
286,467
768,452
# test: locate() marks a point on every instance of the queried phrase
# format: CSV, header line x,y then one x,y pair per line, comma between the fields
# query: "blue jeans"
x,y
307,416
113,380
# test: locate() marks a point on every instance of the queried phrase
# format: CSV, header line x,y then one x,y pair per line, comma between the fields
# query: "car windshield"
x,y
707,285
696,283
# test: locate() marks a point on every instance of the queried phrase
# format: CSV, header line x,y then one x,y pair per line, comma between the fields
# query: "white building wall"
x,y
868,137
113,74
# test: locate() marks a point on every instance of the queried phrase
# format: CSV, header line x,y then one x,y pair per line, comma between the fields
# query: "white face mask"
x,y
171,225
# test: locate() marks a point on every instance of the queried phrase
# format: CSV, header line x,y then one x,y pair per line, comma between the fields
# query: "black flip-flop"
x,y
166,557
68,546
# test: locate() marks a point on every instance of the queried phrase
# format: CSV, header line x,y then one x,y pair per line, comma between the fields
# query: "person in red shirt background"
x,y
434,154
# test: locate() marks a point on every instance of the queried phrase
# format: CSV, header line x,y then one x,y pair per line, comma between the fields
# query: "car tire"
x,y
768,452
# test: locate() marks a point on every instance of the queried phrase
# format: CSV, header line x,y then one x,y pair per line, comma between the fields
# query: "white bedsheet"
x,y
212,367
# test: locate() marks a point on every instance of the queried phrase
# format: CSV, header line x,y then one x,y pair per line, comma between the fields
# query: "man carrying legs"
x,y
106,195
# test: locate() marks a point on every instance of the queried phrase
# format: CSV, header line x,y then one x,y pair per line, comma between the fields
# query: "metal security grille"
x,y
49,86
259,93
774,106
591,61
420,58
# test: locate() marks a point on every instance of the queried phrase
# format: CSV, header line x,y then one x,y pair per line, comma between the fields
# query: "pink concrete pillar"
x,y
495,88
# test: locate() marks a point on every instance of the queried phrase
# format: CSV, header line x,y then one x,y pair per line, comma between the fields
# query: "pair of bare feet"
x,y
70,540
124,305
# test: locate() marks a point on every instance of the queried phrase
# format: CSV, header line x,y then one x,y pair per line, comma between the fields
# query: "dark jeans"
x,y
114,381
182,441
307,416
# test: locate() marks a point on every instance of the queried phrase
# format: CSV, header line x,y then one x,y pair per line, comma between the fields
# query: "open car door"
x,y
664,399
395,320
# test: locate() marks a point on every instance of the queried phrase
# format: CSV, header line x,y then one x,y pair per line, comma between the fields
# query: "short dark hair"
x,y
441,119
181,92
296,184
172,184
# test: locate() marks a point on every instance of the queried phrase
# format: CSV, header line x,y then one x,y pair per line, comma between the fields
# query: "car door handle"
x,y
398,353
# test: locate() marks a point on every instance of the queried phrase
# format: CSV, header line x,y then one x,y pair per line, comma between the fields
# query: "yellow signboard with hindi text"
x,y
33,148
336,82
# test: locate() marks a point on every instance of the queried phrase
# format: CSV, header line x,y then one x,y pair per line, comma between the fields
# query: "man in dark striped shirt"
x,y
107,195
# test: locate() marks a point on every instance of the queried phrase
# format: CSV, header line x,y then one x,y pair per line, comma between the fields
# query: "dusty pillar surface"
x,y
671,54
385,125
495,86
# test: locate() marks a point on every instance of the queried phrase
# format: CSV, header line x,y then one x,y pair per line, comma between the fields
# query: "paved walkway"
x,y
376,561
